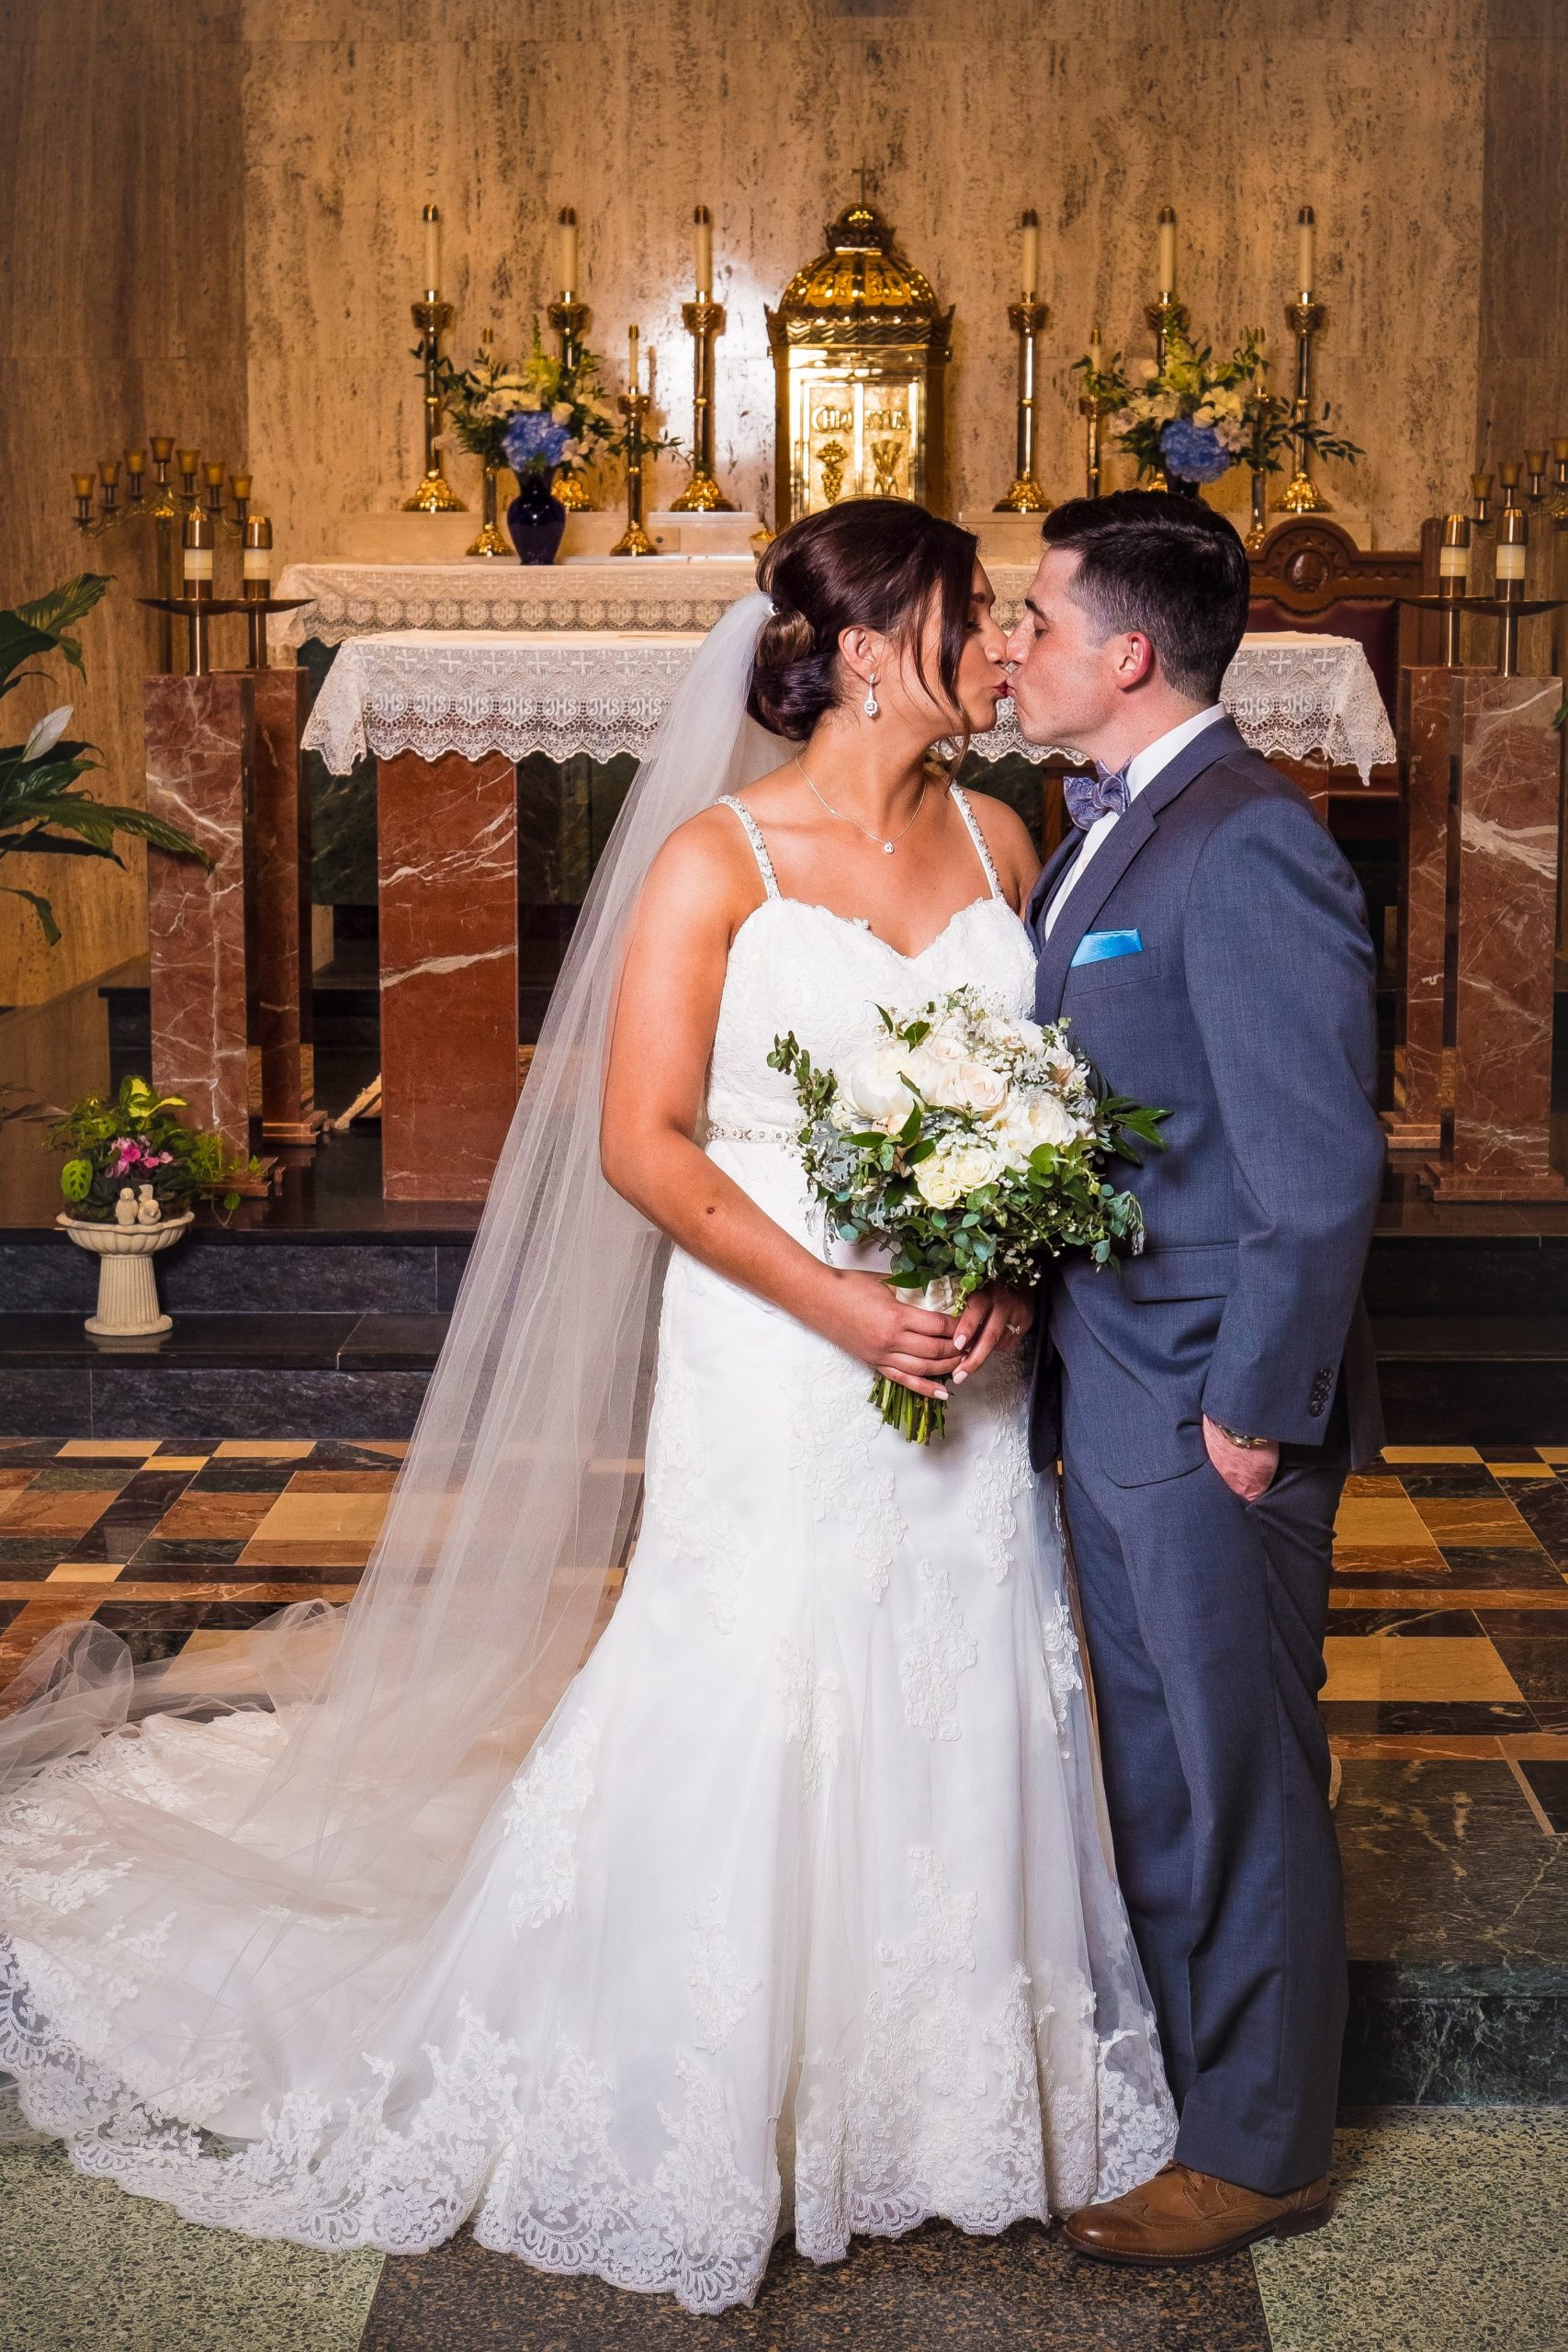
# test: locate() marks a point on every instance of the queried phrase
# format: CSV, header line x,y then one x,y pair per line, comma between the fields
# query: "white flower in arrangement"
x,y
958,1083
959,1166
1029,1120
873,1087
1148,371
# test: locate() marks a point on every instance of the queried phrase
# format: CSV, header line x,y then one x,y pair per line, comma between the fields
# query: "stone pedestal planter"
x,y
128,1294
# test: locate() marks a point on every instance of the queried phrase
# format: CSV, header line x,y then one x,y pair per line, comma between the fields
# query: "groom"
x,y
1209,943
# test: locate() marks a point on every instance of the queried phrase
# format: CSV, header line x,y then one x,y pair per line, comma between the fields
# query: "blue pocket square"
x,y
1099,947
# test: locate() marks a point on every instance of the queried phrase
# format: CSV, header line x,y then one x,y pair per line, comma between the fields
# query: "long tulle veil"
x,y
392,1729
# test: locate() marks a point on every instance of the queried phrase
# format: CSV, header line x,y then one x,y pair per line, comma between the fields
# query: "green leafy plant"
x,y
43,810
136,1138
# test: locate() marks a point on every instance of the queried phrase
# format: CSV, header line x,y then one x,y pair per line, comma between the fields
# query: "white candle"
x,y
1096,353
1453,564
567,217
257,563
431,249
703,219
1168,249
1306,228
632,385
1031,226
198,563
1510,560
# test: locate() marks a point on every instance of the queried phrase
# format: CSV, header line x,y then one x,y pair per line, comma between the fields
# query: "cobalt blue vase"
x,y
536,518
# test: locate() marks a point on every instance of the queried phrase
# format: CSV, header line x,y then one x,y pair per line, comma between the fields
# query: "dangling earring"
x,y
871,705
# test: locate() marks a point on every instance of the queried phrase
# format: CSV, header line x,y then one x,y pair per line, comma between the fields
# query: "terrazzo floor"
x,y
1447,1704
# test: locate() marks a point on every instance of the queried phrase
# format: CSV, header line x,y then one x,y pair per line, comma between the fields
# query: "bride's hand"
x,y
901,1342
993,1322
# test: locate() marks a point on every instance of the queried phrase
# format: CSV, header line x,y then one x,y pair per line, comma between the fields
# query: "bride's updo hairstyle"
x,y
878,563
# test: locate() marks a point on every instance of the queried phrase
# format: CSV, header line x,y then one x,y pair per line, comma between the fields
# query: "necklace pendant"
x,y
887,849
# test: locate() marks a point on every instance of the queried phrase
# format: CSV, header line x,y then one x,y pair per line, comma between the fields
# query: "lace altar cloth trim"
x,y
568,693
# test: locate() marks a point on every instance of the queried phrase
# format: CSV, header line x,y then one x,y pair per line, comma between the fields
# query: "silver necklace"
x,y
887,848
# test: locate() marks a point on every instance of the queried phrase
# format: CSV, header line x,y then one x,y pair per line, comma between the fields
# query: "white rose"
x,y
959,1165
874,1086
1149,370
965,1085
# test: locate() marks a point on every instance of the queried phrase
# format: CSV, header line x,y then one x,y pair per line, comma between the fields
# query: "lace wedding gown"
x,y
801,1913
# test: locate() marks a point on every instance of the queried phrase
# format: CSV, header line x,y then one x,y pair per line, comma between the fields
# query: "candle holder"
x,y
704,320
1300,494
1535,466
163,512
1481,501
490,541
1162,316
569,319
1094,414
633,540
1028,320
1453,582
1264,408
435,494
199,612
1559,507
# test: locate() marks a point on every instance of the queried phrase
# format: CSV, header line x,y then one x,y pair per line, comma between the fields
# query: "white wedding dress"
x,y
801,1914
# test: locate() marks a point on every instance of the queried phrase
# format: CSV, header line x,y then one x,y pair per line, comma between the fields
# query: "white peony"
x,y
959,1166
963,1085
874,1087
1033,1120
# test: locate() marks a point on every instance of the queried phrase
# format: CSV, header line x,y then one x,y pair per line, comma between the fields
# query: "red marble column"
x,y
202,776
446,835
282,885
1426,704
1503,874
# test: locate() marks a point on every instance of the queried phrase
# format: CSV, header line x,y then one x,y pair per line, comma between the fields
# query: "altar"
x,y
451,715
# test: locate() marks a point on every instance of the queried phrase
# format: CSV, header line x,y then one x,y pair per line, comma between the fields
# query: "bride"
x,y
780,1900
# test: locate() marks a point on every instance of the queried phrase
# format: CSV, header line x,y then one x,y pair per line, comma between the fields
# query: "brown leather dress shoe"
x,y
1183,2216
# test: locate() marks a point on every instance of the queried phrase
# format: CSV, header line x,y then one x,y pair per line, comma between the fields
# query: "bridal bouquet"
x,y
973,1146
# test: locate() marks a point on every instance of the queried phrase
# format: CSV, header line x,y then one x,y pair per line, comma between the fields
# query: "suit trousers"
x,y
1205,1619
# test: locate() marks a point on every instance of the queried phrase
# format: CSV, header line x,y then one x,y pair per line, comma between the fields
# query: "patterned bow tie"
x,y
1103,794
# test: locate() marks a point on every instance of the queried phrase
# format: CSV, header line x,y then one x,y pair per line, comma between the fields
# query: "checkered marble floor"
x,y
1448,1636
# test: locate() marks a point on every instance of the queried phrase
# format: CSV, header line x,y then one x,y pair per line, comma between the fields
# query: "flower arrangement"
x,y
536,417
972,1146
137,1139
1196,416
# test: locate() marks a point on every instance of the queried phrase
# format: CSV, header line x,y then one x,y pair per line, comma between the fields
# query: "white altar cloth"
x,y
598,692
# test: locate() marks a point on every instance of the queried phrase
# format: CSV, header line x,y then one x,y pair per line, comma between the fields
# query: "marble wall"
x,y
237,243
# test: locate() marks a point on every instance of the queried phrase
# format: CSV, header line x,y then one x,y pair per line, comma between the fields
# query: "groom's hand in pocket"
x,y
1247,1470
995,1321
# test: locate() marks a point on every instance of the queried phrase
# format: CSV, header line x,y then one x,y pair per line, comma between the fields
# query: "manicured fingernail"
x,y
942,1393
962,1341
961,1374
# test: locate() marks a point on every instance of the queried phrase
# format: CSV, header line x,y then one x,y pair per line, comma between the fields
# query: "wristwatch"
x,y
1250,1444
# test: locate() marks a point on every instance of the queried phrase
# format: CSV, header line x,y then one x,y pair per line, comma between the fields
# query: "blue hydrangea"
x,y
1193,452
532,439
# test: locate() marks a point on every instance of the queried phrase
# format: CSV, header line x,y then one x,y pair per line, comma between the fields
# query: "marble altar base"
x,y
1504,863
201,749
446,833
282,892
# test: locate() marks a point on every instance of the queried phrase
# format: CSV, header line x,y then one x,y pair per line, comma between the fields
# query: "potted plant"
x,y
131,1172
43,812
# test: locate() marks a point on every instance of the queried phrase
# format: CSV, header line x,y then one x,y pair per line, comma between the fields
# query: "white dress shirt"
x,y
1142,769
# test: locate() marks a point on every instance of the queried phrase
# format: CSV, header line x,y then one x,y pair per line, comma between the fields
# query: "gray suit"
x,y
1245,1008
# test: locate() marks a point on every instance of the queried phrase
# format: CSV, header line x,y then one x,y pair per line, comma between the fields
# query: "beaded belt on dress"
x,y
734,1131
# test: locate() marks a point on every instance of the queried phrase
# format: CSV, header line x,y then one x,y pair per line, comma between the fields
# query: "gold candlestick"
x,y
1264,405
1535,466
432,316
1302,496
704,320
569,318
634,539
1480,493
1162,316
1094,413
1028,320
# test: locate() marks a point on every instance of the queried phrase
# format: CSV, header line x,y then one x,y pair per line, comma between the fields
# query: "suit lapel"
x,y
1044,889
1110,861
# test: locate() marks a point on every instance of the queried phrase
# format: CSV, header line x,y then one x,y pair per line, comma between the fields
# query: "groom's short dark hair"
x,y
1166,566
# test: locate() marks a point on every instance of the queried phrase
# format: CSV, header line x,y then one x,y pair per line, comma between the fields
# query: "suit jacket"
x,y
1247,1011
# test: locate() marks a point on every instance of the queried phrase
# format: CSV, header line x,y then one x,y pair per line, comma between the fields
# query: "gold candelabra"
x,y
1028,320
704,319
161,508
1559,507
1304,316
633,540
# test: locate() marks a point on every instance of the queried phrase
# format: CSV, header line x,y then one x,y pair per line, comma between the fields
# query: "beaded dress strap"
x,y
754,835
978,837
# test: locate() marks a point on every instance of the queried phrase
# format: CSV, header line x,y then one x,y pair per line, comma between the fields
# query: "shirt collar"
x,y
1144,765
